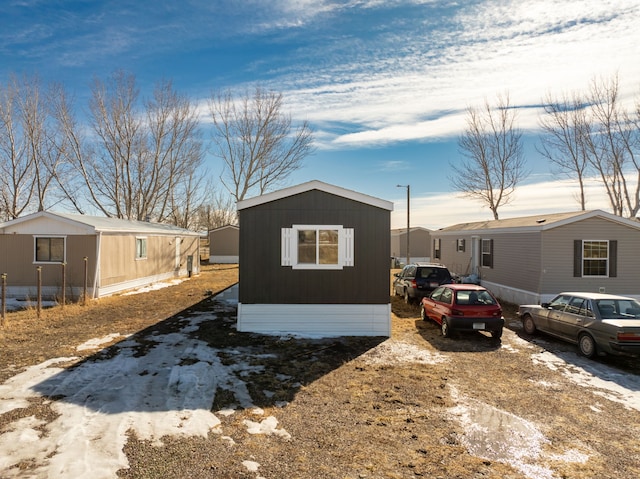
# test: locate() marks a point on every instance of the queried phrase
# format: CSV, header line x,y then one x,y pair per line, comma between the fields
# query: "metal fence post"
x,y
86,273
39,299
4,298
64,283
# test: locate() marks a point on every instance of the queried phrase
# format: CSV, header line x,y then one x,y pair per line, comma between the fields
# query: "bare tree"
x,y
614,145
565,132
219,211
16,169
29,153
258,143
144,156
494,162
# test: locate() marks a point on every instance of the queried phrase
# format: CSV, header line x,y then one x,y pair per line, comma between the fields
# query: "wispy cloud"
x,y
445,209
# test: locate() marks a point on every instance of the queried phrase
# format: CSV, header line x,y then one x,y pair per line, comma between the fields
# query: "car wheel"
x,y
407,298
528,325
444,327
587,345
423,315
496,334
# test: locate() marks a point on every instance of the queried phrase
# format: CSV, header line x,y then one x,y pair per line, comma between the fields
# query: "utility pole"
x,y
408,187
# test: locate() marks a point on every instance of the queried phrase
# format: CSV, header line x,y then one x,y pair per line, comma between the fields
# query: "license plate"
x,y
434,285
478,325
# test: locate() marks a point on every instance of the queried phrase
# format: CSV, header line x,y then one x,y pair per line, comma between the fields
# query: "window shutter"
x,y
613,258
577,258
491,253
285,240
348,247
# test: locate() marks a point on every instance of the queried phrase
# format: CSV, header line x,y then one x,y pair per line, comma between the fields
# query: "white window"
x,y
141,248
595,258
49,249
317,247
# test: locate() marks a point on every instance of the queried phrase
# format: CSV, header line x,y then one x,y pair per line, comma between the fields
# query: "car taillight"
x,y
414,284
498,313
628,337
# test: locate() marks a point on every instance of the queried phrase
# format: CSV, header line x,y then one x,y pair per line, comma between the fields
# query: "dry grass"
x,y
349,417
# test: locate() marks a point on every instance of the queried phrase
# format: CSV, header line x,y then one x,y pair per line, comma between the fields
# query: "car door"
x,y
430,304
552,318
442,306
576,314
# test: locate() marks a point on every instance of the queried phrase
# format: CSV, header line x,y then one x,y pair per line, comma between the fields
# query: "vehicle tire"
x,y
423,315
528,325
496,334
407,298
587,345
445,329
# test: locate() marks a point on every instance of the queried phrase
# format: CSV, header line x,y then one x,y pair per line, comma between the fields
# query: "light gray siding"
x,y
558,258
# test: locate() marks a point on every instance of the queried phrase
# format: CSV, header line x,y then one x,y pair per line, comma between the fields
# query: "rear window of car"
x,y
474,297
618,309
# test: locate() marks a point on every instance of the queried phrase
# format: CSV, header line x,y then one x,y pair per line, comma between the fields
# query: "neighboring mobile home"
x,y
110,254
531,259
314,260
419,245
224,244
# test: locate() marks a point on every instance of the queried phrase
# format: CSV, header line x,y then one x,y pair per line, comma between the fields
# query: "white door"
x,y
178,242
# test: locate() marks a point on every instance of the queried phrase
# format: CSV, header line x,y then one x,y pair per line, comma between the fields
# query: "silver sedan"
x,y
598,323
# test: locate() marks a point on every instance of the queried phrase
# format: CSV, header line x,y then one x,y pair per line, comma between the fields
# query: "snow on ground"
x,y
603,380
168,389
498,435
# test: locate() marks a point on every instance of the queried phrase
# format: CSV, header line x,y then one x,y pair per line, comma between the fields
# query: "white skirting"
x,y
316,320
224,259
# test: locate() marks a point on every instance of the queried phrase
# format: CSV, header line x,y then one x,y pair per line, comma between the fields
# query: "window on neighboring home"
x,y
436,248
460,245
595,258
141,248
317,247
487,253
49,249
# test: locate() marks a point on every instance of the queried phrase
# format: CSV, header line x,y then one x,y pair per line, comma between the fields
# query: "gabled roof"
x,y
534,223
101,224
220,228
315,185
401,231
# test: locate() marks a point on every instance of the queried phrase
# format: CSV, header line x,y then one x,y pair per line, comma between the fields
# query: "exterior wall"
x,y
516,272
419,245
118,271
224,245
264,281
534,266
316,319
558,258
17,260
166,258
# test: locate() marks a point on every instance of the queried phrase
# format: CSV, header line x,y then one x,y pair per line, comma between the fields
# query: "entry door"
x,y
475,255
178,242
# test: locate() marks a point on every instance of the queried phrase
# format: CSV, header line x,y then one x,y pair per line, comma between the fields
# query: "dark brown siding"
x,y
264,281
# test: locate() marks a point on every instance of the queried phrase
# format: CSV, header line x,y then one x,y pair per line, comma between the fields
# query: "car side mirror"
x,y
397,275
545,305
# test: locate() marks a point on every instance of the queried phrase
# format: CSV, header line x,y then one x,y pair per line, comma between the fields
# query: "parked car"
x,y
417,280
463,307
596,322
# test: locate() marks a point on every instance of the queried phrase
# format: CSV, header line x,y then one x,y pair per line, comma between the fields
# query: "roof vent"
x,y
541,220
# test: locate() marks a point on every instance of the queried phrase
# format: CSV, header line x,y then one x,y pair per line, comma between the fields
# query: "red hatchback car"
x,y
463,307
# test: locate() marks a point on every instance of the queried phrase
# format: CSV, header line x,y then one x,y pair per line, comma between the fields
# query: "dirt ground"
x,y
416,405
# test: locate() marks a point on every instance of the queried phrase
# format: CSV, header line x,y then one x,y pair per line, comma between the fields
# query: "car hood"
x,y
623,323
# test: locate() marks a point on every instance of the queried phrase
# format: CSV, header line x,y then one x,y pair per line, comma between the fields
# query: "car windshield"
x,y
474,297
618,308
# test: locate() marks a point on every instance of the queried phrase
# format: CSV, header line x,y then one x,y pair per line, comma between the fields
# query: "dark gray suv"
x,y
417,280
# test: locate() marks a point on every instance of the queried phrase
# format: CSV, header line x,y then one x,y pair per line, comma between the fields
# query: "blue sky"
x,y
384,83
